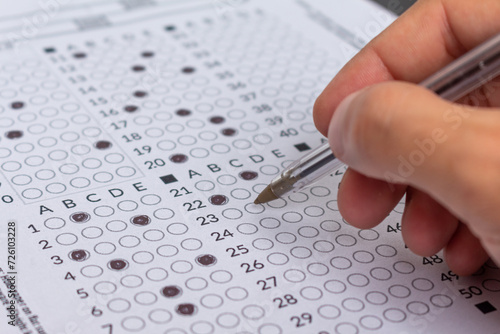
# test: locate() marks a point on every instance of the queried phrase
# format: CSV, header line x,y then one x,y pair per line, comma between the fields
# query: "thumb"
x,y
402,133
393,131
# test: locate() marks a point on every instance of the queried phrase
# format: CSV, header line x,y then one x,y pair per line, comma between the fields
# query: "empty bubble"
x,y
116,226
286,238
129,241
232,213
330,225
292,217
133,323
240,193
196,283
164,213
191,244
92,232
294,275
127,206
301,252
376,298
341,263
262,244
211,301
156,274
167,250
181,267
317,269
54,223
253,312
335,286
386,250
236,293
277,259
247,228
204,185
177,228
221,276
417,308
119,305
91,271
329,311
104,248
399,291
381,274
202,327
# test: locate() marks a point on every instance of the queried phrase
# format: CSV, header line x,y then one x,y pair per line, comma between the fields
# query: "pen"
x,y
460,77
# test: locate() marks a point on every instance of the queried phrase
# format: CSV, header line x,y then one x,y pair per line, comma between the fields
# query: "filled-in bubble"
x,y
79,255
188,70
118,264
140,94
138,68
140,220
218,199
171,291
178,158
103,144
14,134
183,112
17,105
229,132
79,55
248,175
80,217
217,119
147,54
130,108
186,309
206,260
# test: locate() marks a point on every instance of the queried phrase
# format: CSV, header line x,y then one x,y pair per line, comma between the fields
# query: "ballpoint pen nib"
x,y
265,196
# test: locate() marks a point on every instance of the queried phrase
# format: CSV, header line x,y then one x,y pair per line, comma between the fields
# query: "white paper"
x,y
134,137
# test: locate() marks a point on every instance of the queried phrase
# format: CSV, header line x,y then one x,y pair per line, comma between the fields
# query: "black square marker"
x,y
486,307
302,147
168,179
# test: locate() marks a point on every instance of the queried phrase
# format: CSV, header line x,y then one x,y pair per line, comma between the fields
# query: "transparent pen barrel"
x,y
307,170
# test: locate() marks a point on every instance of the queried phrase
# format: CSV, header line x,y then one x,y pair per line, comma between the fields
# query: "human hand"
x,y
399,138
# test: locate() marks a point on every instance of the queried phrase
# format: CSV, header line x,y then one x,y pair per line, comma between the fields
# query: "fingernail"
x,y
338,125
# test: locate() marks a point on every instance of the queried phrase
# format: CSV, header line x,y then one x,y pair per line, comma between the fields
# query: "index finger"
x,y
424,39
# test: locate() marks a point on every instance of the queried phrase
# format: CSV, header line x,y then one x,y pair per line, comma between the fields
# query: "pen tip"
x,y
265,196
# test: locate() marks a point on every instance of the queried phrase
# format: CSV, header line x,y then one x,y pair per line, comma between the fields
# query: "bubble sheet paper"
x,y
132,146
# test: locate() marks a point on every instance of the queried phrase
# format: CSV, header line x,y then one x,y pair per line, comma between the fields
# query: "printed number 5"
x,y
83,294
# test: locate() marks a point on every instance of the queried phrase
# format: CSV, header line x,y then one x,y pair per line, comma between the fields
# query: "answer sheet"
x,y
134,138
